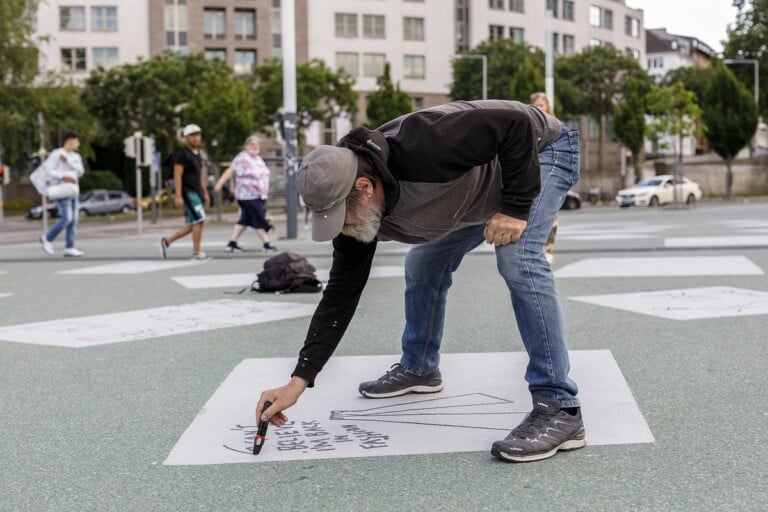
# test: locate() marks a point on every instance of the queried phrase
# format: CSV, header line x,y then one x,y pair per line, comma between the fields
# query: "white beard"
x,y
365,230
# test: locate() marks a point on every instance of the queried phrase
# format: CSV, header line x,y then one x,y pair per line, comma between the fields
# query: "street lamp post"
x,y
755,63
485,68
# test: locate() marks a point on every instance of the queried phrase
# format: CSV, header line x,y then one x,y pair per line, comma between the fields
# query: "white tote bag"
x,y
62,190
39,179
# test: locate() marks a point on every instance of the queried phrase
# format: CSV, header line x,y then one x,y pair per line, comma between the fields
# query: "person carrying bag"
x,y
62,171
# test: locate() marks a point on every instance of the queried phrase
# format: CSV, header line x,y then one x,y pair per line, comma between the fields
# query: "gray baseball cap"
x,y
324,179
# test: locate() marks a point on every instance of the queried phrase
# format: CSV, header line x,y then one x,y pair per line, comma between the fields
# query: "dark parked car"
x,y
572,201
102,201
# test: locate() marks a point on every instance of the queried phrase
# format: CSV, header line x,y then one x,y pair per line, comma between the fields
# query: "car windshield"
x,y
653,182
86,196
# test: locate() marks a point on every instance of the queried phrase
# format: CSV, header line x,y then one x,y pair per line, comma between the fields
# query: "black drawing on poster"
x,y
310,437
471,410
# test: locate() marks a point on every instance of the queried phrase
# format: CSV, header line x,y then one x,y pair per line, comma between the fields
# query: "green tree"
x,y
629,121
730,116
18,67
674,112
514,72
18,52
748,39
150,96
387,102
321,92
226,110
595,80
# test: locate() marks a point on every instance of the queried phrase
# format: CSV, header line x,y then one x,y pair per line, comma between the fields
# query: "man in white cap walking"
x,y
191,191
446,179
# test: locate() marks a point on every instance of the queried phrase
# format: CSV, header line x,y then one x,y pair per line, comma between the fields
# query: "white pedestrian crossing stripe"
x,y
656,267
132,267
245,279
88,331
687,304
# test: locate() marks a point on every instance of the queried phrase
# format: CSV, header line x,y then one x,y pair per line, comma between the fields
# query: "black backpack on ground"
x,y
287,273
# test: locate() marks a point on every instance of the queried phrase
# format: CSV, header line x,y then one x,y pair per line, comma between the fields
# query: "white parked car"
x,y
659,190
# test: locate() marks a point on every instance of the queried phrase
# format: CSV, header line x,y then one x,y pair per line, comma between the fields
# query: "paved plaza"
x,y
128,383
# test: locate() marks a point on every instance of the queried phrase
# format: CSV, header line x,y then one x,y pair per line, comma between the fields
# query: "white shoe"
x,y
47,246
73,253
201,256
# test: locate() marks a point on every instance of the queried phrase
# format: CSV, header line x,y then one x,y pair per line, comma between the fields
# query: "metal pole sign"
x,y
137,142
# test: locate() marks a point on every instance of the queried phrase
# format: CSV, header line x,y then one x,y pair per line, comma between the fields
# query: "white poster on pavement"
x,y
485,396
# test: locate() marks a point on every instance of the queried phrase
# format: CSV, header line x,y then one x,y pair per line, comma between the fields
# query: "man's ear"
x,y
364,185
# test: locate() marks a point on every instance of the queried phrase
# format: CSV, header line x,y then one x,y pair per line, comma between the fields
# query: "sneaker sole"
x,y
404,391
571,444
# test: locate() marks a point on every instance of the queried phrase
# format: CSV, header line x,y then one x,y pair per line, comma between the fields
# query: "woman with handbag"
x,y
64,167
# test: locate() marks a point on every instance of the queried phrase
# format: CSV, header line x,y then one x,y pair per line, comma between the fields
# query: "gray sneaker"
x,y
542,433
398,381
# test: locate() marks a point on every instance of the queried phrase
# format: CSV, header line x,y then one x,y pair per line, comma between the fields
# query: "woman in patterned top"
x,y
251,191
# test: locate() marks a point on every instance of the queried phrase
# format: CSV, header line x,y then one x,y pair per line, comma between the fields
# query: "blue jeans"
x,y
428,276
67,218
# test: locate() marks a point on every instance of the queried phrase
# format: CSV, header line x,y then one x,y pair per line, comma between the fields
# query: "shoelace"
x,y
533,420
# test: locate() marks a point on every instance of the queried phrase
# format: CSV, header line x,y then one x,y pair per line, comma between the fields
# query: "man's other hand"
x,y
502,229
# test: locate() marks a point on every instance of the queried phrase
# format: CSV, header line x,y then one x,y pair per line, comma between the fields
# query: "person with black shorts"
x,y
191,192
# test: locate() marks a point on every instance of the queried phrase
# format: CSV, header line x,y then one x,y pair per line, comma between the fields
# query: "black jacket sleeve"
x,y
351,266
437,147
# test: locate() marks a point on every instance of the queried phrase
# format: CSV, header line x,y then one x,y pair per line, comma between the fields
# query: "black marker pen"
x,y
258,441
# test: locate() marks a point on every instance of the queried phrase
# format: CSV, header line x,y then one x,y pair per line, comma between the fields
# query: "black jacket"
x,y
442,169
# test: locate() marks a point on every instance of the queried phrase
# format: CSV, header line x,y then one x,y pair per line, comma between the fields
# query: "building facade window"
x,y
277,30
496,4
556,42
608,19
632,26
72,18
495,32
373,26
216,53
348,61
105,57
595,42
633,53
245,23
517,5
104,18
595,16
517,34
214,23
245,61
73,60
417,102
462,26
373,64
175,24
555,6
414,66
346,25
568,10
413,29
569,44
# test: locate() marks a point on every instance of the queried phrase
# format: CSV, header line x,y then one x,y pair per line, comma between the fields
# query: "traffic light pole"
x,y
139,210
289,121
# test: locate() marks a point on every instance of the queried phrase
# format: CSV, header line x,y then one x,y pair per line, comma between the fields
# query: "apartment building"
x,y
241,32
78,36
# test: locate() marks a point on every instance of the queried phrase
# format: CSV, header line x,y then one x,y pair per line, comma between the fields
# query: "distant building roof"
x,y
658,40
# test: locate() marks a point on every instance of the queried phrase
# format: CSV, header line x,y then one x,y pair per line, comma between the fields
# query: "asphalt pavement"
x,y
88,429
